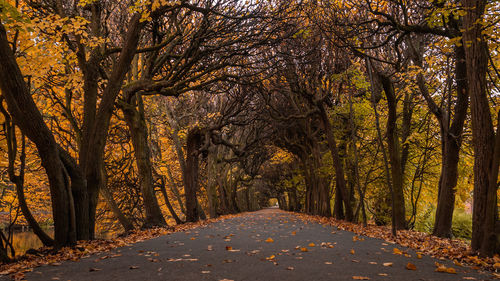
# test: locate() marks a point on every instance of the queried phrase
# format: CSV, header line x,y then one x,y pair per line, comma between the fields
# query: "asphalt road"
x,y
264,245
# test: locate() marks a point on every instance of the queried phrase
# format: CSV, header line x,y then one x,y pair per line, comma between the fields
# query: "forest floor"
x,y
265,245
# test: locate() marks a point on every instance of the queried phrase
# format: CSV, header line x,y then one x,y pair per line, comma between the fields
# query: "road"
x,y
264,245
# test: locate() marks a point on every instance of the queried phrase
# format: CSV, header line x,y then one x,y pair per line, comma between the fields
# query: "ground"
x,y
264,245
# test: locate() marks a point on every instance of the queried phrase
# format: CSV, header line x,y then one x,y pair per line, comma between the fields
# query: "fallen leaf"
x,y
205,271
312,244
290,268
328,262
92,269
303,249
294,232
411,266
270,257
387,264
397,251
360,278
444,269
269,240
133,267
383,274
352,251
229,248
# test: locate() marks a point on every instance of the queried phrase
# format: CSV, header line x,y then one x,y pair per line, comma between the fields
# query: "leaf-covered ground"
x,y
456,250
265,245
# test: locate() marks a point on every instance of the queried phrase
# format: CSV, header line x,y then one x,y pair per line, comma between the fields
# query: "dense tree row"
x,y
144,113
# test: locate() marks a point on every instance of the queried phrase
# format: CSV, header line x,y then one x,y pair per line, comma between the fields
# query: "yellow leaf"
x,y
303,249
294,232
397,251
411,266
269,240
229,248
312,244
352,251
360,278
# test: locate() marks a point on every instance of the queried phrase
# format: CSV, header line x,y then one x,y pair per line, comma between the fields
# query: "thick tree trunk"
x,y
337,163
194,139
483,135
26,115
452,142
95,131
394,154
134,117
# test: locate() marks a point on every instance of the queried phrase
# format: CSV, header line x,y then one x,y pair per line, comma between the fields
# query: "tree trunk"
x,y
194,139
124,221
136,123
394,154
26,115
483,135
167,201
452,142
95,131
18,180
337,163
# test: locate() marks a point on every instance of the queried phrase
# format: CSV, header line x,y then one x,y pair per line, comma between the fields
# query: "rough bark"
x,y
193,144
451,142
134,117
337,163
394,154
26,115
94,140
483,135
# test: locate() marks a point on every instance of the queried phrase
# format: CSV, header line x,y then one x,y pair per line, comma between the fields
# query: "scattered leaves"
x,y
86,248
445,269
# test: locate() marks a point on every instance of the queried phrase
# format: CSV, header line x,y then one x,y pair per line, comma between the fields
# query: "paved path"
x,y
204,254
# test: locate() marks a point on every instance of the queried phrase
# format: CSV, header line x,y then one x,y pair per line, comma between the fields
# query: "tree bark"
x,y
134,117
26,115
483,135
94,139
394,154
194,139
452,142
337,163
167,201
